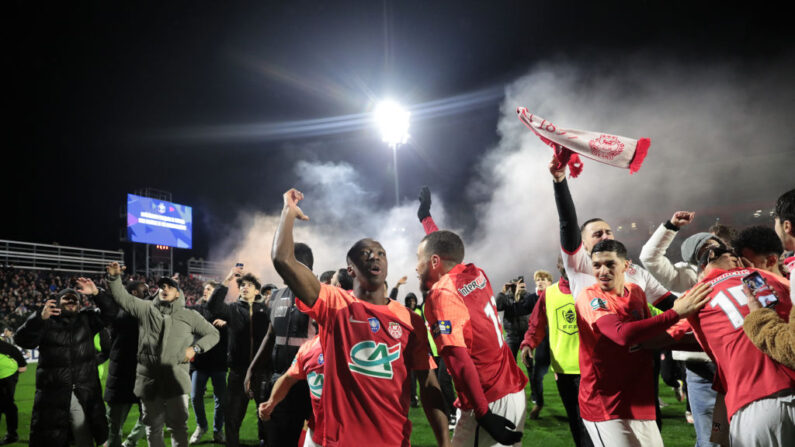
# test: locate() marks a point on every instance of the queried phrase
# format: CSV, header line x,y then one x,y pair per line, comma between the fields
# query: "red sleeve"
x,y
429,225
296,369
536,324
628,333
465,377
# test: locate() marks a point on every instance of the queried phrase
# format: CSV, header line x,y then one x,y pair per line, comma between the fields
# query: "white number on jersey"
x,y
491,312
728,307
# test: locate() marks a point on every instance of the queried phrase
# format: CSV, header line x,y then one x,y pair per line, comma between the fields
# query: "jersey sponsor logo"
x,y
566,319
315,382
374,359
598,303
606,146
395,330
442,327
353,320
375,325
320,359
477,283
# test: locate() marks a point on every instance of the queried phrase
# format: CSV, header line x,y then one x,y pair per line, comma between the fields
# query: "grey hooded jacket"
x,y
165,331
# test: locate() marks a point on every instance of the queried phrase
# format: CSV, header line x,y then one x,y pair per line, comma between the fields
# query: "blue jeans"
x,y
702,401
198,385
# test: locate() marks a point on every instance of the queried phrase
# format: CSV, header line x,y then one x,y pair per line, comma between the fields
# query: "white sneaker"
x,y
197,435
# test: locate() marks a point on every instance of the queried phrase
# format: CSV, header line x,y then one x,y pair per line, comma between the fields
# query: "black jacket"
x,y
123,350
216,358
67,364
515,313
246,325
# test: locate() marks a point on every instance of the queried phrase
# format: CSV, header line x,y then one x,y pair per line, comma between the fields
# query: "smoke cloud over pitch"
x,y
720,137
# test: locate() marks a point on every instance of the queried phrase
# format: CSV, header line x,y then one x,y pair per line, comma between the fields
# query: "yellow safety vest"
x,y
564,337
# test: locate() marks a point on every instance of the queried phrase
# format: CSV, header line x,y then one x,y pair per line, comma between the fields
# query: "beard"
x,y
68,313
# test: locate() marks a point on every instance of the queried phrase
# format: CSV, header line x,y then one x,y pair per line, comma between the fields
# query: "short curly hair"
x,y
760,240
250,278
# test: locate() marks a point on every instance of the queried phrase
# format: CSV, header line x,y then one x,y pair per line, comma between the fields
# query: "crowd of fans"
x,y
23,291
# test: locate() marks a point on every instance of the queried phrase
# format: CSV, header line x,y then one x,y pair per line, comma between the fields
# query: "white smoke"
x,y
341,212
720,135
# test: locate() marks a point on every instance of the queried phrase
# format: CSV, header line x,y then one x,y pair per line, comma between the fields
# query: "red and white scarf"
x,y
610,149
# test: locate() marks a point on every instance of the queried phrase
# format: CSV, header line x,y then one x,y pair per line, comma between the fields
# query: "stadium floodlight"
x,y
393,121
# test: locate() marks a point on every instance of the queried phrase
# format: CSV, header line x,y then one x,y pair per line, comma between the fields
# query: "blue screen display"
x,y
152,221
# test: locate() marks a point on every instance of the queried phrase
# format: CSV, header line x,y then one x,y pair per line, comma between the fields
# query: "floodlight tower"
x,y
393,121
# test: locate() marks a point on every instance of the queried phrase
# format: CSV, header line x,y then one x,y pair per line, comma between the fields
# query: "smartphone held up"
x,y
760,289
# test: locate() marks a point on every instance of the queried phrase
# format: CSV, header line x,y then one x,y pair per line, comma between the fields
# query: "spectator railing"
x,y
205,269
28,255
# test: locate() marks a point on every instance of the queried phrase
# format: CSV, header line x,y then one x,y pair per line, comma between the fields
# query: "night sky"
x,y
99,89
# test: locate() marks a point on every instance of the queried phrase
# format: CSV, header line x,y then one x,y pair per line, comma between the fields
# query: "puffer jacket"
x,y
165,331
67,364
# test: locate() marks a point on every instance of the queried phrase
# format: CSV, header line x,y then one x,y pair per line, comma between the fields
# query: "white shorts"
x,y
512,407
624,433
769,422
308,442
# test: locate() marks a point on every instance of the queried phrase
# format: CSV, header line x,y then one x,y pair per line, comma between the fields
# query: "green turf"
x,y
551,430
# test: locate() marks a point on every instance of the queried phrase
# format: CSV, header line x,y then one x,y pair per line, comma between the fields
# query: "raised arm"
x,y
570,237
216,304
134,306
108,309
424,211
653,254
296,275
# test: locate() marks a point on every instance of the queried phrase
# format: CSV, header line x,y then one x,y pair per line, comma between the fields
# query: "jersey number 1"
x,y
728,307
492,314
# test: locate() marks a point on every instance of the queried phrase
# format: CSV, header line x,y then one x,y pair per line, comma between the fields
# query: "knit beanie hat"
x,y
692,245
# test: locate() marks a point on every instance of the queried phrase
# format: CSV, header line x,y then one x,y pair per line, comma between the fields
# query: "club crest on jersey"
x,y
395,330
374,359
320,359
441,327
598,303
315,382
374,324
478,283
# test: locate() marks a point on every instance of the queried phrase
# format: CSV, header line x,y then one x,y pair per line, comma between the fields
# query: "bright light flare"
x,y
393,122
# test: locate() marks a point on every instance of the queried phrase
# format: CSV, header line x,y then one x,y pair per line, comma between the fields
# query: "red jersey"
x,y
616,382
369,350
462,312
744,373
308,365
